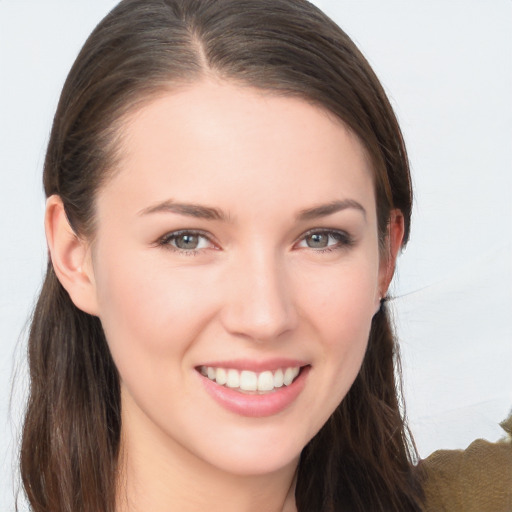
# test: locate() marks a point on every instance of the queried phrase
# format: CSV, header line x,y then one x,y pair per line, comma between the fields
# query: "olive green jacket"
x,y
477,479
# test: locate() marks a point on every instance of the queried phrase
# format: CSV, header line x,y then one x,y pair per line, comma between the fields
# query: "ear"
x,y
71,257
393,243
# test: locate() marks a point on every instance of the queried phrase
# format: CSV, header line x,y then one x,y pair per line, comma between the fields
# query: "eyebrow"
x,y
324,210
191,210
210,213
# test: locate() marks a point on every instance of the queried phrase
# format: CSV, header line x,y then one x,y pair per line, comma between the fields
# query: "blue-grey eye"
x,y
318,240
325,240
187,241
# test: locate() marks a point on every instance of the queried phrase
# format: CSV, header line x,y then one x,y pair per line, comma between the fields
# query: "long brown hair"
x,y
362,459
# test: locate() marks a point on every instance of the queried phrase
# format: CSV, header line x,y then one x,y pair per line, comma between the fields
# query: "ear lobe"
x,y
70,257
394,240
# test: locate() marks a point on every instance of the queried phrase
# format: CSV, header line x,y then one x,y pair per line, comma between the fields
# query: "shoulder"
x,y
477,479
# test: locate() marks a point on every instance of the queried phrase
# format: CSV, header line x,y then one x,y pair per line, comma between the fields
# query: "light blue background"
x,y
447,67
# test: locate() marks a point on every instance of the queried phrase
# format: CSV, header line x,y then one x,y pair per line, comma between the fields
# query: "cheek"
x,y
340,313
341,299
148,312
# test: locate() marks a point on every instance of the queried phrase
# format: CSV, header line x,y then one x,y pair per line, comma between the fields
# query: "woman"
x,y
228,190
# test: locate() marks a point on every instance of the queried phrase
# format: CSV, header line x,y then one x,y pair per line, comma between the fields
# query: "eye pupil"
x,y
317,240
187,241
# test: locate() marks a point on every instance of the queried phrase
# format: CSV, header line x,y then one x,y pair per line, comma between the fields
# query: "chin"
x,y
264,454
255,464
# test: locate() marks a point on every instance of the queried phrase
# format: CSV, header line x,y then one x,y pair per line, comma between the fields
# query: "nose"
x,y
259,301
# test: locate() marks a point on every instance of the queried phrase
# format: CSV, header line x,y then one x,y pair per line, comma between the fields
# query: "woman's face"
x,y
236,246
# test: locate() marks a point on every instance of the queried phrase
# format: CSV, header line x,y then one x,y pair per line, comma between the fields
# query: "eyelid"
x,y
344,238
164,241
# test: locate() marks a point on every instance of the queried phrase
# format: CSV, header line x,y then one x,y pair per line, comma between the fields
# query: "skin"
x,y
254,289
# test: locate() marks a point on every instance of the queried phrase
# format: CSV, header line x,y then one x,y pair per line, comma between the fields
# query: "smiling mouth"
x,y
249,382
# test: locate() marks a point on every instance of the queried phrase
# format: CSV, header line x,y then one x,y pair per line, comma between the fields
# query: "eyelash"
x,y
343,240
166,240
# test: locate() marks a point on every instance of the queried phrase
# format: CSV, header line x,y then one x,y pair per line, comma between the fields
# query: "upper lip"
x,y
256,366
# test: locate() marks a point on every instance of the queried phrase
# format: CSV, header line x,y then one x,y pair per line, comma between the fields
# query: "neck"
x,y
163,476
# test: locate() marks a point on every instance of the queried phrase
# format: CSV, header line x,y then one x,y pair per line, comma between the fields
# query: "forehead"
x,y
216,140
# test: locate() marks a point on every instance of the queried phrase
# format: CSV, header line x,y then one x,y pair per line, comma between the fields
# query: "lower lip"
x,y
256,406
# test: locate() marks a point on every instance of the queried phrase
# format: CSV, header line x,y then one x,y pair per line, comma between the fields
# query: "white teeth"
x,y
221,376
265,381
288,376
251,381
248,381
278,378
233,379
